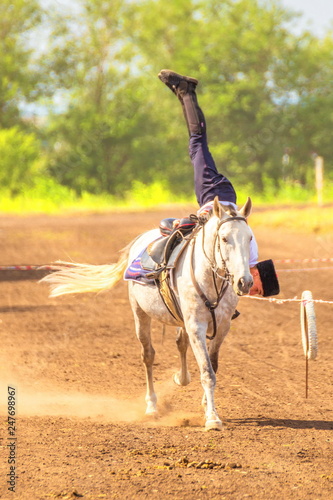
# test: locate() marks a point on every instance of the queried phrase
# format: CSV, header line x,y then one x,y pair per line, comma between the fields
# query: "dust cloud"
x,y
56,402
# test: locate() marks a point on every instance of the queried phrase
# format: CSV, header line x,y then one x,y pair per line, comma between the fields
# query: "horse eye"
x,y
224,239
251,238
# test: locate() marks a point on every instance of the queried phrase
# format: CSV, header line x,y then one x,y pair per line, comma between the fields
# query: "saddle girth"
x,y
211,306
173,249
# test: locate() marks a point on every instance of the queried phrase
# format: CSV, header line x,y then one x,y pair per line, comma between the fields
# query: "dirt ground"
x,y
75,365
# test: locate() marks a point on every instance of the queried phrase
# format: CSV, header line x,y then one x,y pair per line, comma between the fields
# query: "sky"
x,y
317,15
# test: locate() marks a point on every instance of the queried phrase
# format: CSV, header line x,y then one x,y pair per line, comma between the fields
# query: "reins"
x,y
211,306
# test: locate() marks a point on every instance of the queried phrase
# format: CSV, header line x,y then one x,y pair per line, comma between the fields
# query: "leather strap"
x,y
211,306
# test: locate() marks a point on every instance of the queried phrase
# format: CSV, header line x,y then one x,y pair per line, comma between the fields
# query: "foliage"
x,y
18,80
266,92
309,117
45,195
21,161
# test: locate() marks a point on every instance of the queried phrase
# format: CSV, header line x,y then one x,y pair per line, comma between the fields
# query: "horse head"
x,y
232,251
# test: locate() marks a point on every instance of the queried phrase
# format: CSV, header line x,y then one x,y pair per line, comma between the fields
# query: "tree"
x,y
21,161
91,141
121,124
18,80
308,114
233,48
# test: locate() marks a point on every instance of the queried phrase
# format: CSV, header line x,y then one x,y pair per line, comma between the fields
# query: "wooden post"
x,y
319,170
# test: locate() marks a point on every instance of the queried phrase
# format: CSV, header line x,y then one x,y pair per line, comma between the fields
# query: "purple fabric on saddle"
x,y
135,272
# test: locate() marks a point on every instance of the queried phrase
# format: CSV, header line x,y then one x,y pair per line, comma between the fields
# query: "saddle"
x,y
161,256
164,252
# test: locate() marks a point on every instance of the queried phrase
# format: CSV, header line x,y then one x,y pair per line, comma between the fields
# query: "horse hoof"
x,y
178,381
151,415
213,425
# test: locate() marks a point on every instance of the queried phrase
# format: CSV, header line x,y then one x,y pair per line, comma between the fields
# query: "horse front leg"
x,y
142,327
214,349
197,337
216,342
182,377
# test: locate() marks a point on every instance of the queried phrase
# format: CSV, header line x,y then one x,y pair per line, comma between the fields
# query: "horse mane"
x,y
228,208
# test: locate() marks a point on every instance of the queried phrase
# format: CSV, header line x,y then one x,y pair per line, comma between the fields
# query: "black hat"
x,y
268,278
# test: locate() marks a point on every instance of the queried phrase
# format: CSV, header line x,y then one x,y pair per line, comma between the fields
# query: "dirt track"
x,y
75,363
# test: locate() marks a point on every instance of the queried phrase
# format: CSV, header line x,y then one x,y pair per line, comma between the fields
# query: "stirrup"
x,y
235,315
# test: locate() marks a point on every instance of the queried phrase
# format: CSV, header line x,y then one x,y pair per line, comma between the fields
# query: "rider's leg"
x,y
207,180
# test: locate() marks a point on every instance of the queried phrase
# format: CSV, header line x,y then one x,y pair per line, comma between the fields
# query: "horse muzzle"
x,y
244,285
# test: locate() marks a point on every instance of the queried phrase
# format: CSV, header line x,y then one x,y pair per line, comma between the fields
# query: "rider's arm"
x,y
253,251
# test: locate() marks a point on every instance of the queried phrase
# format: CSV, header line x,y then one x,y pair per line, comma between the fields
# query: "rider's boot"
x,y
185,89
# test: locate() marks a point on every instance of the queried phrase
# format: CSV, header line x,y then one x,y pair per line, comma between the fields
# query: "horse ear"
x,y
217,208
246,209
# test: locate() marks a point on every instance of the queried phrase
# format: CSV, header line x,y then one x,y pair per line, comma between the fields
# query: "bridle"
x,y
227,278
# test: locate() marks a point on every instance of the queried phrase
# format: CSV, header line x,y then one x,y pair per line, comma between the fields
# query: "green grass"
x,y
49,197
292,207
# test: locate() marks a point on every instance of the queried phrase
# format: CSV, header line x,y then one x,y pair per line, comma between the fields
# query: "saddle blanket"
x,y
135,271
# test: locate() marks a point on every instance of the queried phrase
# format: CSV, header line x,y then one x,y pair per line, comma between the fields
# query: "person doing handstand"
x,y
208,182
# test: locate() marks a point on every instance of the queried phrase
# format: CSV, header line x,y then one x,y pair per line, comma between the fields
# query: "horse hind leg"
x,y
142,327
182,377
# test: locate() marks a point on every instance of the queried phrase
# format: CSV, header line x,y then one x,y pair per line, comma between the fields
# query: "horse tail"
x,y
81,278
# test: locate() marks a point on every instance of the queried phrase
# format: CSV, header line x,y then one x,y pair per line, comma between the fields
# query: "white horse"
x,y
219,257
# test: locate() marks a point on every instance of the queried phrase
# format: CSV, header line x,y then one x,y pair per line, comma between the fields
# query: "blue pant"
x,y
207,181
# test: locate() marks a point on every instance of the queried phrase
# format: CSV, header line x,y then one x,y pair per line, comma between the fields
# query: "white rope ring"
x,y
308,326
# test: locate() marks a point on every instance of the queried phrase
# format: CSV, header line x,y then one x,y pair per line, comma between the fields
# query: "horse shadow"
x,y
29,308
321,425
